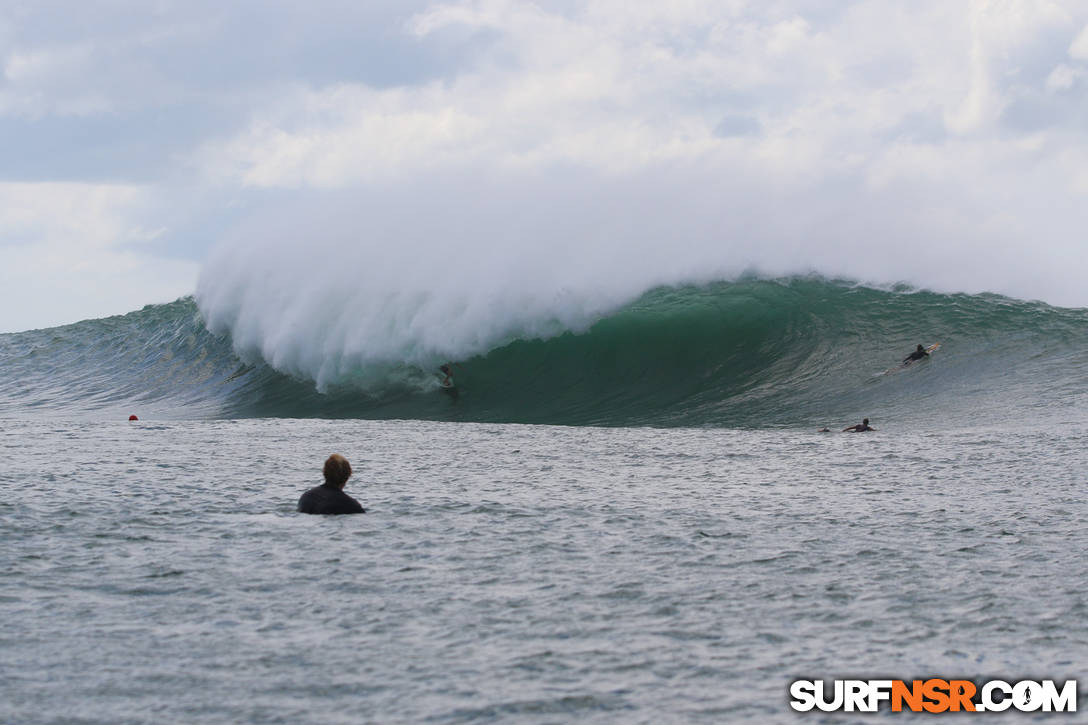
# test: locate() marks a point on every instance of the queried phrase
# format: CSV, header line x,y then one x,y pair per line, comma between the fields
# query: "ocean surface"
x,y
797,352
631,520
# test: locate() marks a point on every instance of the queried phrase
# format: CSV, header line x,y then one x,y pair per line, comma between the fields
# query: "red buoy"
x,y
132,417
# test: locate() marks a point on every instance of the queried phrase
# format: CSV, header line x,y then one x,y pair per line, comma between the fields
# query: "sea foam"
x,y
335,285
326,289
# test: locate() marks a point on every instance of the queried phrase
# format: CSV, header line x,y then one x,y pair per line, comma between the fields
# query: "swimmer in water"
x,y
329,498
862,427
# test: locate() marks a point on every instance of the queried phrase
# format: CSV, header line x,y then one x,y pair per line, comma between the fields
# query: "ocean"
x,y
624,515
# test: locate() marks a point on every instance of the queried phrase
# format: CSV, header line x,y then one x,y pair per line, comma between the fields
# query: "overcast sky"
x,y
940,143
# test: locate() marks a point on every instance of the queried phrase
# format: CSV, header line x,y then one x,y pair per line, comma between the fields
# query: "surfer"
x,y
329,498
447,370
916,355
861,427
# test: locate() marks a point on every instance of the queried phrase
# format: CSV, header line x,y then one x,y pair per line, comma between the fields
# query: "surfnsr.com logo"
x,y
934,695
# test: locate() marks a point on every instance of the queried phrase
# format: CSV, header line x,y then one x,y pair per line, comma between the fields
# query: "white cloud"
x,y
74,251
903,109
1063,77
33,79
43,66
1079,47
587,89
856,124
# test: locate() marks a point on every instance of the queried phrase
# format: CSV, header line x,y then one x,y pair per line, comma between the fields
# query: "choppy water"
x,y
156,572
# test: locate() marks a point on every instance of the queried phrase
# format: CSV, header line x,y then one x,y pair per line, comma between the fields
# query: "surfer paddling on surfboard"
x,y
862,427
916,355
921,353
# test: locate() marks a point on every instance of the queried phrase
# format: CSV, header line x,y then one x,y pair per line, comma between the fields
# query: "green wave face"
x,y
752,353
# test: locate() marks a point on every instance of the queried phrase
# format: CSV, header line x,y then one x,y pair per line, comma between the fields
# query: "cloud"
x,y
620,91
869,138
1063,77
32,78
894,127
1079,48
72,251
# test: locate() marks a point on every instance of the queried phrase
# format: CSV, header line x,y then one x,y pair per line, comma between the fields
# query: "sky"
x,y
941,144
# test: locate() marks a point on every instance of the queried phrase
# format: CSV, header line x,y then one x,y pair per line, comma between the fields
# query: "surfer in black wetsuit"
x,y
861,427
916,355
447,370
329,498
